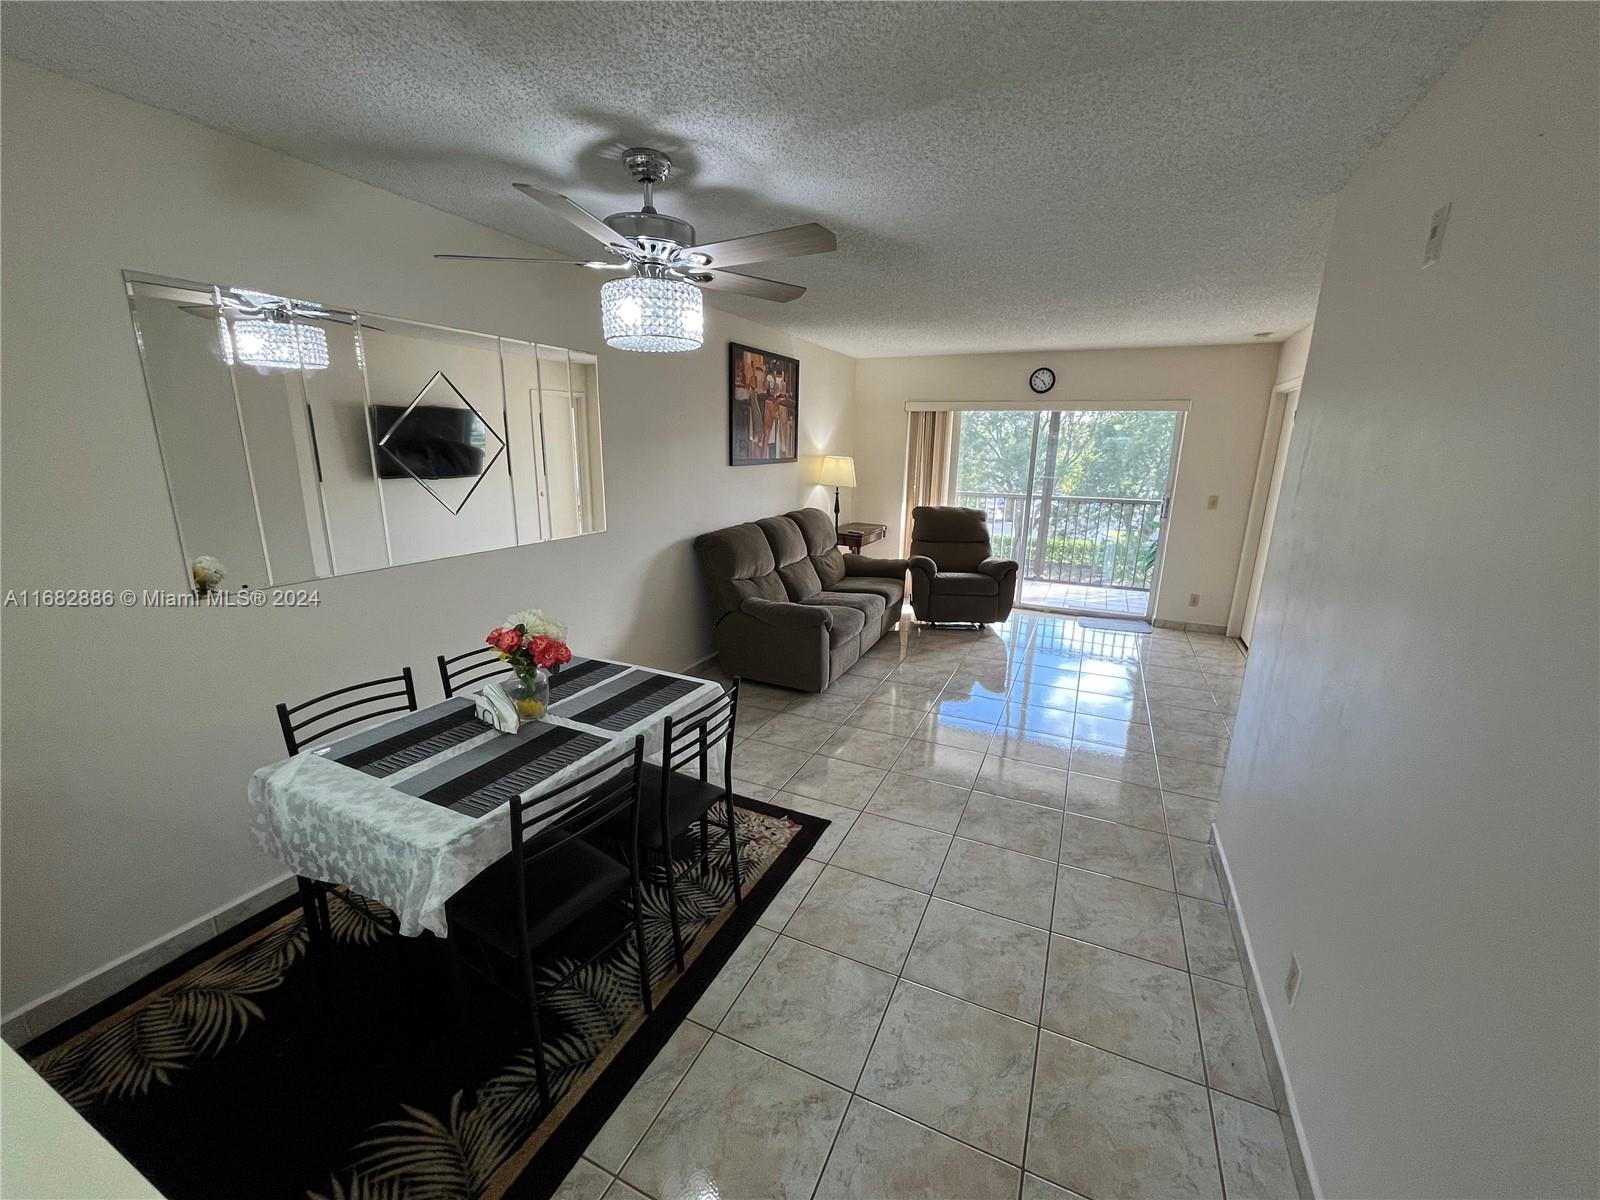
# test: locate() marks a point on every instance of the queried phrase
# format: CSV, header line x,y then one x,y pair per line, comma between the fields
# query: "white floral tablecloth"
x,y
372,827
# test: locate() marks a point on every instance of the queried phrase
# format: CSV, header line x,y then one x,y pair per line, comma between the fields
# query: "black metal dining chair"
x,y
551,879
374,698
475,666
682,798
299,730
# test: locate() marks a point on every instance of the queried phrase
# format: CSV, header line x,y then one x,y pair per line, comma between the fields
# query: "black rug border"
x,y
561,1151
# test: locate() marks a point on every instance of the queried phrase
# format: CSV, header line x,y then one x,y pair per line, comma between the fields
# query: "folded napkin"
x,y
497,709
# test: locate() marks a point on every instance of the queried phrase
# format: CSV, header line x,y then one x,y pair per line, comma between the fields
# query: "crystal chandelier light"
x,y
275,345
651,313
274,341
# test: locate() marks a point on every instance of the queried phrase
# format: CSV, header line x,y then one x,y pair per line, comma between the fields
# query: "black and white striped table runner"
x,y
444,754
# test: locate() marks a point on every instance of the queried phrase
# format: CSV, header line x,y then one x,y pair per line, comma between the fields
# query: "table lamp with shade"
x,y
837,471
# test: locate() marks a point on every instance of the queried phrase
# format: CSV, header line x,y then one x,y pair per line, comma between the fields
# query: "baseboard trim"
x,y
1189,626
1283,1093
704,664
43,1014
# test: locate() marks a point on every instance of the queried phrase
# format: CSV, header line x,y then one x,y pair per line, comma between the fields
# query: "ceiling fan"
x,y
658,307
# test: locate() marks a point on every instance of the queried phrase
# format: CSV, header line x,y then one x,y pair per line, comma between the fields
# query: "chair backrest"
x,y
692,736
541,824
358,702
475,666
957,539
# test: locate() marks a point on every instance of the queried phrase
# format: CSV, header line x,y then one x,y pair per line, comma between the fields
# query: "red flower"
x,y
547,652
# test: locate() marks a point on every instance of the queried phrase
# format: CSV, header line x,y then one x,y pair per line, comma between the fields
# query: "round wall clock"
x,y
1042,380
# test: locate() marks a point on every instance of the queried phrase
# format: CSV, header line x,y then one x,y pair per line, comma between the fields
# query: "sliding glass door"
x,y
1077,497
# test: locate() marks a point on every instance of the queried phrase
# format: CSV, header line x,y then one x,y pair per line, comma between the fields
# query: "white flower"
x,y
535,624
208,571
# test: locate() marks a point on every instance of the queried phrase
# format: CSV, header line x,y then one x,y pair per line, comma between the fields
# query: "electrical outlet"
x,y
1211,501
1291,981
1194,599
1435,245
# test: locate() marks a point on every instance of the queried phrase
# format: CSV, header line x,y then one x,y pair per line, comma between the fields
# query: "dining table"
x,y
407,812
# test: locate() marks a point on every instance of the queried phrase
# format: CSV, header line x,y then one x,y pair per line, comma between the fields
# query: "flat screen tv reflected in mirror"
x,y
428,441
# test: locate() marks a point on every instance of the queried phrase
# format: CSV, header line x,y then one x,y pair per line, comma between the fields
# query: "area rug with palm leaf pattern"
x,y
231,1072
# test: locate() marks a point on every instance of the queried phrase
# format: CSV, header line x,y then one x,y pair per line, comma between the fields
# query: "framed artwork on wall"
x,y
763,406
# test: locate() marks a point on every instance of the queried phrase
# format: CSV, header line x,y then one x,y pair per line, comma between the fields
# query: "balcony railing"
x,y
1099,541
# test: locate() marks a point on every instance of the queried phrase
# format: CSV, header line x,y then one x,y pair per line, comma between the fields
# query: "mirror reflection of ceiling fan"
x,y
262,306
657,306
270,332
265,331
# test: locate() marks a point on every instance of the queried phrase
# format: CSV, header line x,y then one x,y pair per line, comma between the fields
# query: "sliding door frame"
x,y
1180,408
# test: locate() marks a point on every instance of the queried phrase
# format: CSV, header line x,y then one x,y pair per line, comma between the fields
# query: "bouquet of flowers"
x,y
208,574
534,645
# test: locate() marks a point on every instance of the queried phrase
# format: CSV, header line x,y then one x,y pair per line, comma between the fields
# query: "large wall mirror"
x,y
302,441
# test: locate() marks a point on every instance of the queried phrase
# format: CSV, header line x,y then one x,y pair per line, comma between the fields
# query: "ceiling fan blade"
x,y
573,211
748,285
210,311
566,262
236,311
764,247
338,318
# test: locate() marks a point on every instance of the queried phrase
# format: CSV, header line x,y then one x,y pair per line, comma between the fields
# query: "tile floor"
x,y
1004,971
1046,593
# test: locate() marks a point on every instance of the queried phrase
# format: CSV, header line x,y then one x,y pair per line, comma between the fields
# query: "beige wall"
x,y
1227,388
128,733
1412,802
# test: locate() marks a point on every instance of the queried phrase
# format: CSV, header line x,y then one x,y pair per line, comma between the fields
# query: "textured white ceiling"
x,y
1001,176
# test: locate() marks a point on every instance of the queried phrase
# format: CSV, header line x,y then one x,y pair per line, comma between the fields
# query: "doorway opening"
x,y
1078,497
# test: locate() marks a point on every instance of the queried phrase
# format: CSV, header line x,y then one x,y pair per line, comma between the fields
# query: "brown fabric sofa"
x,y
788,607
954,578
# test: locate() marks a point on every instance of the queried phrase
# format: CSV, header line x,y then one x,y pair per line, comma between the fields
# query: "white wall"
x,y
129,734
1412,802
1227,387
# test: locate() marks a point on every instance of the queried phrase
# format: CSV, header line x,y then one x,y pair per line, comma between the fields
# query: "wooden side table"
x,y
861,533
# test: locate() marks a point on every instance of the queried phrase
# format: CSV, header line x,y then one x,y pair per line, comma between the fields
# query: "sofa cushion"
x,y
789,553
893,591
822,545
965,583
847,624
737,563
869,604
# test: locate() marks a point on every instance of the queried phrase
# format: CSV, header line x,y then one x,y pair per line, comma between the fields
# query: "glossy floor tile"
x,y
814,1009
1012,976
740,1124
880,1153
1106,1126
1129,1006
955,1066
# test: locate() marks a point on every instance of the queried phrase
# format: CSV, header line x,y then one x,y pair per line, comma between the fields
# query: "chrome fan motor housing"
x,y
658,235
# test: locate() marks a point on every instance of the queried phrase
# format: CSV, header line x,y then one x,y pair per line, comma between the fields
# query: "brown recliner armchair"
x,y
953,576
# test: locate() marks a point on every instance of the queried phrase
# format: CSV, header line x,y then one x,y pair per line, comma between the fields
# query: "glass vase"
x,y
533,694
